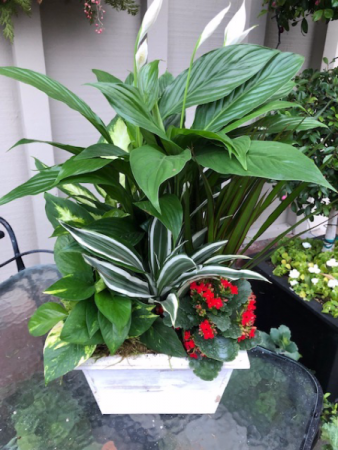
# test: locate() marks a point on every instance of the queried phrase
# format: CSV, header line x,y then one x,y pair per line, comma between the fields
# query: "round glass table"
x,y
273,406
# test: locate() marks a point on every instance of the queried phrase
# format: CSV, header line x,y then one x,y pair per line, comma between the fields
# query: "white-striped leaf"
x,y
219,259
160,243
172,270
170,305
119,280
106,246
207,251
226,272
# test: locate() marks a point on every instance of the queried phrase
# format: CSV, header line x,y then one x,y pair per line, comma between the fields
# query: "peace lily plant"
x,y
147,257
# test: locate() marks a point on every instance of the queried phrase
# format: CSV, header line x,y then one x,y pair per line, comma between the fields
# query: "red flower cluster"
x,y
248,319
226,284
189,344
206,330
207,293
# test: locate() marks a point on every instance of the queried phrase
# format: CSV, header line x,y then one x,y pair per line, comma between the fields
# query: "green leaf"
x,y
171,305
41,182
151,168
274,125
115,308
186,315
58,208
160,245
105,246
164,81
105,151
171,213
74,167
283,92
72,287
207,369
218,348
142,318
204,253
57,91
318,15
162,339
233,332
172,270
113,336
122,229
120,280
271,160
45,318
76,190
75,329
69,262
92,320
118,132
214,76
60,357
248,344
221,321
105,77
328,13
249,95
66,147
148,83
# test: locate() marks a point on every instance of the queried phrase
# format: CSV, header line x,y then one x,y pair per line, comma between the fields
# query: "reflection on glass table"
x,y
273,406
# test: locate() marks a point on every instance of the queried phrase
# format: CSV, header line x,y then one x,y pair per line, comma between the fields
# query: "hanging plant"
x,y
93,10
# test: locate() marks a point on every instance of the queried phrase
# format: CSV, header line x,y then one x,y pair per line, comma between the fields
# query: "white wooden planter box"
x,y
155,384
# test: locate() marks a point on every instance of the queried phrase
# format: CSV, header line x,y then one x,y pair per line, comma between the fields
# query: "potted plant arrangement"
x,y
146,260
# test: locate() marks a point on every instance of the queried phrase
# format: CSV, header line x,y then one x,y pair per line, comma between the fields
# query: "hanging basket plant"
x,y
93,10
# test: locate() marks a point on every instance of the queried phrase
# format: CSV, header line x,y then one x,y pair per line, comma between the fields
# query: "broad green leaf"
x,y
241,146
74,287
232,274
162,339
218,348
219,259
58,208
92,319
74,167
272,106
66,147
120,280
115,308
171,305
214,76
105,77
60,357
142,318
249,95
274,125
106,151
171,213
164,81
75,329
207,251
221,321
118,132
148,83
45,318
57,91
283,92
41,182
152,167
160,245
123,229
78,191
68,261
248,344
173,269
105,246
186,315
113,336
271,160
207,369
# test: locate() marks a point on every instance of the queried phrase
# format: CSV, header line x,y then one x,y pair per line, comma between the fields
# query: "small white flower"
x,y
332,263
293,282
314,280
212,25
314,269
306,245
235,32
142,55
294,273
332,283
150,17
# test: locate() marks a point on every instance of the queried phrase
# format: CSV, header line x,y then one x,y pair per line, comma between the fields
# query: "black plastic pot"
x,y
315,333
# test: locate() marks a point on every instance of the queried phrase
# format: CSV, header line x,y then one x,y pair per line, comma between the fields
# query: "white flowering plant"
x,y
312,274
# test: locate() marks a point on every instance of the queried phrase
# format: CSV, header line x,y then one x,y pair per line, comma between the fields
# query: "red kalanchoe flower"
x,y
189,345
206,330
248,318
241,338
215,303
227,285
193,355
234,289
187,335
252,332
193,286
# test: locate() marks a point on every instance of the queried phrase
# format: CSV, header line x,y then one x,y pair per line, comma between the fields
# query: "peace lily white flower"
x,y
332,283
332,263
212,25
314,269
142,55
150,17
234,32
294,273
293,282
306,245
314,280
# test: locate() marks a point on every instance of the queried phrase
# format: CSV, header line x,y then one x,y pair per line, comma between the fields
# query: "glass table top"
x,y
273,406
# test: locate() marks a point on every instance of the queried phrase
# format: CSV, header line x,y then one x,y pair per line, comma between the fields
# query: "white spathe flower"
x,y
314,280
142,55
150,17
293,282
332,263
314,269
235,31
212,25
294,273
332,283
306,245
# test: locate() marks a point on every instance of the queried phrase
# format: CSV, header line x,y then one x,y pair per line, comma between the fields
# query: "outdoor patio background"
x,y
58,41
